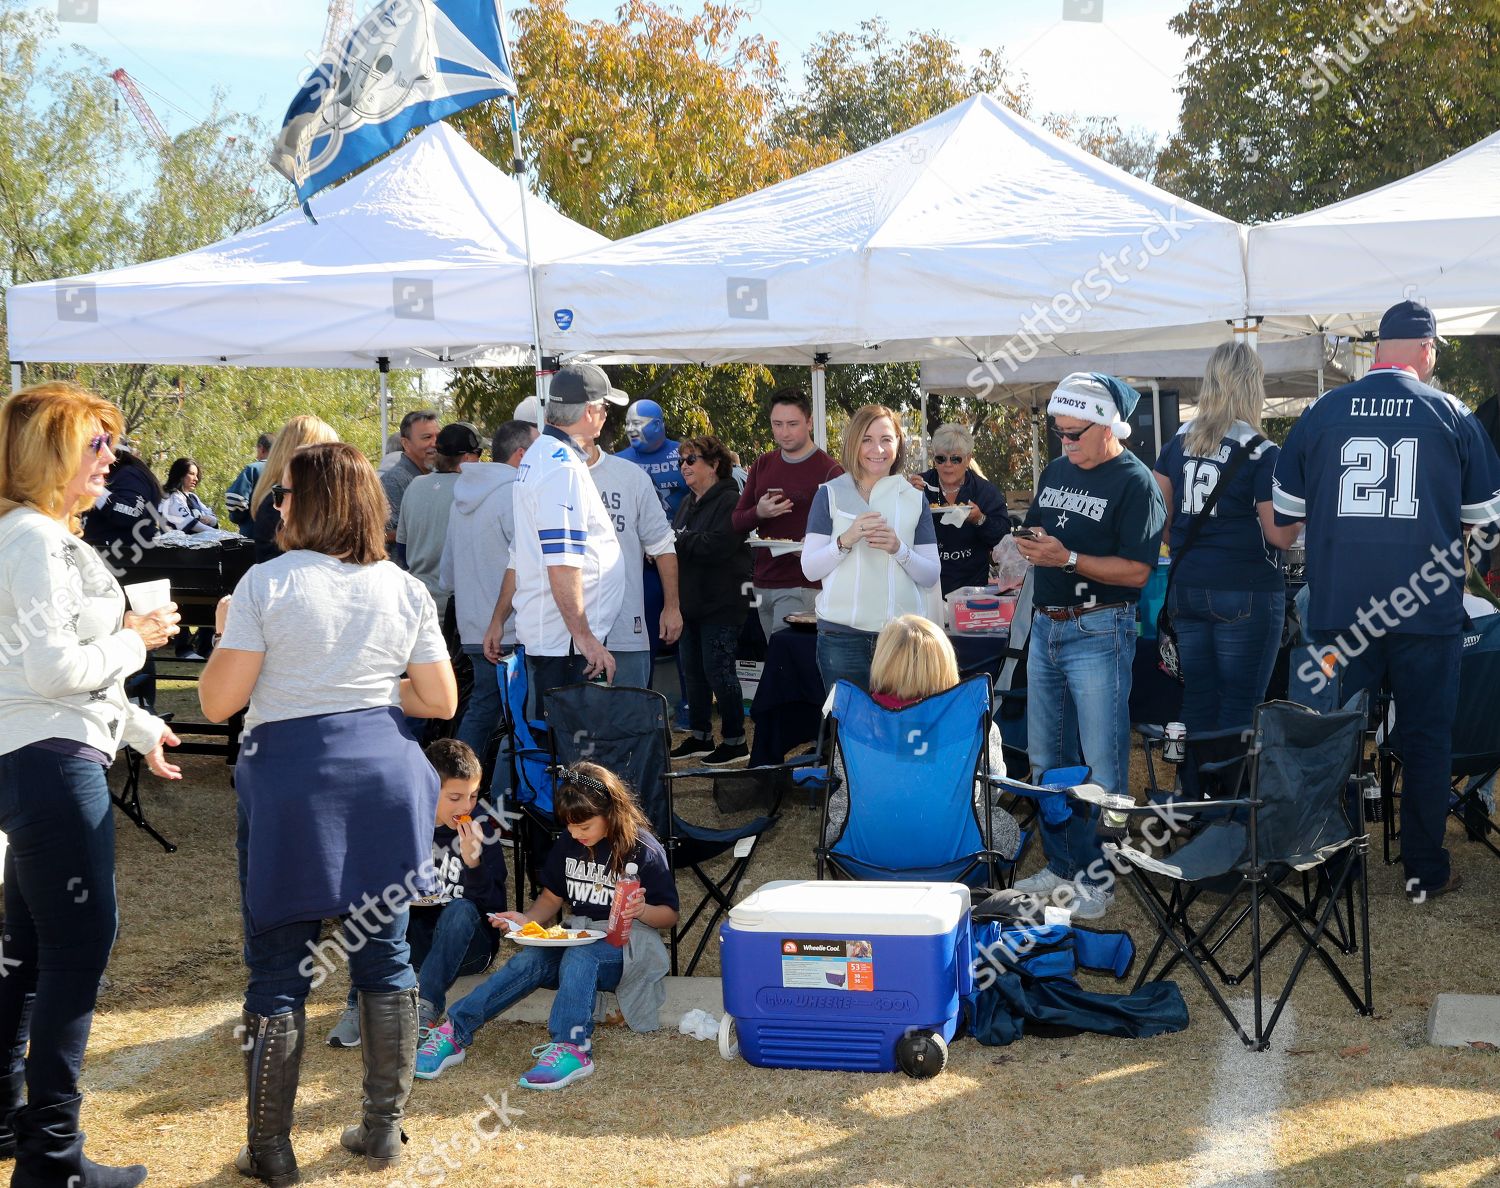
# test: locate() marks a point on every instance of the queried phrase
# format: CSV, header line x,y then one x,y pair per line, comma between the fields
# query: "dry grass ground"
x,y
1365,1101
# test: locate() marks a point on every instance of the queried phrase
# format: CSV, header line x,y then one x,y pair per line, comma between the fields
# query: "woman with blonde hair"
x,y
67,643
955,480
264,517
1227,591
332,647
915,660
870,541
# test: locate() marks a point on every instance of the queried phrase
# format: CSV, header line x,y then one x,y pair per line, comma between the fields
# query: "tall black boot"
x,y
388,1042
49,1152
273,1062
12,1095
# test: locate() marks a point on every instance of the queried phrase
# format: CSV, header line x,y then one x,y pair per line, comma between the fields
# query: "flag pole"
x,y
518,167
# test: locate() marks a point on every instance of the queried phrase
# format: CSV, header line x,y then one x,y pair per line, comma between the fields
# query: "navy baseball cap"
x,y
1409,319
584,383
458,439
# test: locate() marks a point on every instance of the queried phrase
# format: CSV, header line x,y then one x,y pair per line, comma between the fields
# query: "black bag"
x,y
1170,658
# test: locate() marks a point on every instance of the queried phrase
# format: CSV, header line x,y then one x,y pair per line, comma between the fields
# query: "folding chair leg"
x,y
128,801
1262,1041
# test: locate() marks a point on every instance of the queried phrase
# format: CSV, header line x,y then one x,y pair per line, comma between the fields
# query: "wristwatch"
x,y
1072,563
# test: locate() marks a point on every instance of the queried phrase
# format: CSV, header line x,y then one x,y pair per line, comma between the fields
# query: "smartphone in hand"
x,y
1025,532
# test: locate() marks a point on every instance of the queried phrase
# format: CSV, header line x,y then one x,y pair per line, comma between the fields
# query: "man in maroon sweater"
x,y
777,497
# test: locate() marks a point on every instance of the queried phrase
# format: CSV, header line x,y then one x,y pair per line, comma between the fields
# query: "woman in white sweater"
x,y
66,646
871,542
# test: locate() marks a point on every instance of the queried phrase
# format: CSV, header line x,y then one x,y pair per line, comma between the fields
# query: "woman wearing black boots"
x,y
336,800
66,646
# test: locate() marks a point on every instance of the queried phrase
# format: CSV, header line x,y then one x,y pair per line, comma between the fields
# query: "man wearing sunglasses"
x,y
1095,531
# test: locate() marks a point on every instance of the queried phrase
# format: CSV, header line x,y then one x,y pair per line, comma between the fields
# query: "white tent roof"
x,y
419,259
947,240
1433,236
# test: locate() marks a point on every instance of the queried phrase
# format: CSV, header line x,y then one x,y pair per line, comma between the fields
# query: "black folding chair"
x,y
628,731
1294,815
141,689
1475,741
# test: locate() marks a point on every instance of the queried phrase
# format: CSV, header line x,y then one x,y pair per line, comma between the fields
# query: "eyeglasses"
x,y
688,459
278,493
944,459
102,441
1071,434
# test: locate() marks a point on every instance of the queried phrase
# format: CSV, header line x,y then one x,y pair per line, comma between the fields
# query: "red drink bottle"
x,y
619,923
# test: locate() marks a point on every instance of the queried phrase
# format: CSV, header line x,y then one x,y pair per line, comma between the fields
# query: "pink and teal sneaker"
x,y
439,1050
556,1065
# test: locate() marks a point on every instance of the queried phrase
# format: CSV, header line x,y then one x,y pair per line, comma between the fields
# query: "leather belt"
x,y
1061,614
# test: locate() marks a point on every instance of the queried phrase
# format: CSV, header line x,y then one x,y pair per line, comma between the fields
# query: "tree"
x,y
67,207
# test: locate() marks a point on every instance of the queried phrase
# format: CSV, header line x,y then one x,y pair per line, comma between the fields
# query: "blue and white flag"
x,y
406,64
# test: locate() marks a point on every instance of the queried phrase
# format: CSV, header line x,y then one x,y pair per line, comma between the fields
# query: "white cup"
x,y
145,597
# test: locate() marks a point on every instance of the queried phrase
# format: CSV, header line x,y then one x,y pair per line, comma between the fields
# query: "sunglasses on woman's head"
x,y
1071,434
944,459
278,493
688,459
102,441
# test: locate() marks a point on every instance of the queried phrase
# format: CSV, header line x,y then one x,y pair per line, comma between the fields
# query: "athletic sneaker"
x,y
1090,902
437,1052
557,1065
1044,882
725,754
691,747
346,1032
427,1018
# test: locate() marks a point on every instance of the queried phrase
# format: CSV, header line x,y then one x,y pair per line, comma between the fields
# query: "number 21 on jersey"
x,y
1367,463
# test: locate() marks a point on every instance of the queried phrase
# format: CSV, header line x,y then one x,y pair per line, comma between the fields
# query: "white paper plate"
x,y
547,942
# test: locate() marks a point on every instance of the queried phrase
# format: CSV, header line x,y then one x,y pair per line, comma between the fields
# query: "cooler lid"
x,y
799,906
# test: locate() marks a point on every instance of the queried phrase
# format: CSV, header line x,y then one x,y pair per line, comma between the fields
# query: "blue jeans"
x,y
632,669
1423,674
845,656
283,961
575,973
708,654
60,915
483,711
446,943
1083,664
1228,641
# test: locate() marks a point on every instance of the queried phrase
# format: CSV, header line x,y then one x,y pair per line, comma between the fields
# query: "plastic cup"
x,y
145,597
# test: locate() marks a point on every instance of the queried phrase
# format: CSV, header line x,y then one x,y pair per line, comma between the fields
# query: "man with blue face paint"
x,y
654,452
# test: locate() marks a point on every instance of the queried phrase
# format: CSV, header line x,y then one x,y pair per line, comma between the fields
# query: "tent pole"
x,y
518,167
922,429
820,400
1036,458
15,376
385,401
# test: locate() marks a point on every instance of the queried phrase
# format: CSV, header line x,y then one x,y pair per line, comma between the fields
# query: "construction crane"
x,y
336,31
143,113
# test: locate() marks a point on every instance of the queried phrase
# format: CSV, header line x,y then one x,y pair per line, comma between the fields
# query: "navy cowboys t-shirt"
x,y
1230,551
1114,509
582,877
1387,472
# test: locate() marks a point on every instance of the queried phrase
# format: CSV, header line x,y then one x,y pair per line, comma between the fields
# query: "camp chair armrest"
x,y
1088,793
764,769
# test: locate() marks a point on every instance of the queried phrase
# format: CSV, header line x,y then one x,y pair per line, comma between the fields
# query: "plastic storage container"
x,y
979,610
855,976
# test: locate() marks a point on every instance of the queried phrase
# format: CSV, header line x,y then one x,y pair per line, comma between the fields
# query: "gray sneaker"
x,y
428,1017
1091,902
1044,882
346,1033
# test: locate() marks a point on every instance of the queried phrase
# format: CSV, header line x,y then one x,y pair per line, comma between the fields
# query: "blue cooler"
x,y
855,976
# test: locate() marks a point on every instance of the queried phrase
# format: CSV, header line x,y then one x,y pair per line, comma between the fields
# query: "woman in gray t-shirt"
x,y
331,646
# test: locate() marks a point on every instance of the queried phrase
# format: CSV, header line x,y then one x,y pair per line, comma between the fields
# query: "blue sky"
x,y
1123,64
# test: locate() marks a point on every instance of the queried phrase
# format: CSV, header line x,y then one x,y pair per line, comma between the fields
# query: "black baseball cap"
x,y
584,383
1408,319
458,439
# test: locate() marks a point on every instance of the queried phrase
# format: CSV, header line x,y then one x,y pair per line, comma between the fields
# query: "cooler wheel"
x,y
729,1038
922,1054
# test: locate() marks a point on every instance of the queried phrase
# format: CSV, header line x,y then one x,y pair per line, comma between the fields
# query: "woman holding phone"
x,y
66,646
871,542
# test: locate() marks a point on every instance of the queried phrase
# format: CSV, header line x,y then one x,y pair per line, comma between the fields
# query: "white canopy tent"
x,y
1433,237
416,262
974,233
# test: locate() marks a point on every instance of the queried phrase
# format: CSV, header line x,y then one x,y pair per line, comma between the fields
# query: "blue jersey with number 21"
x,y
1387,471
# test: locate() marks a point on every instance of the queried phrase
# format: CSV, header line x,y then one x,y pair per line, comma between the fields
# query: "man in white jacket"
x,y
476,556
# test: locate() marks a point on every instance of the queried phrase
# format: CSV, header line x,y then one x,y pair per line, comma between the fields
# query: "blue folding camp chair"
x,y
910,811
1476,742
529,794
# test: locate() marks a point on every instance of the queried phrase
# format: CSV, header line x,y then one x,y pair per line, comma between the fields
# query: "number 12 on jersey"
x,y
1367,462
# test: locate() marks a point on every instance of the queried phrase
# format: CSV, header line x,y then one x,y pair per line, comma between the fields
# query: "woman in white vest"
x,y
870,541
